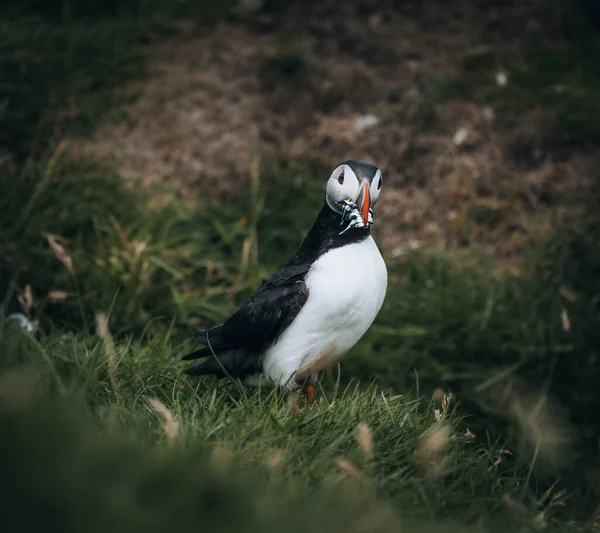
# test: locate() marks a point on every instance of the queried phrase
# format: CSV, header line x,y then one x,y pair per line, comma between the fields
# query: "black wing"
x,y
241,339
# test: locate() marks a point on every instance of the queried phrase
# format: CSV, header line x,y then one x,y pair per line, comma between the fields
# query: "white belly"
x,y
347,287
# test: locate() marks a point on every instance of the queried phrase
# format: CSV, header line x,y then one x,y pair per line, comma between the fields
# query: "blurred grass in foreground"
x,y
108,434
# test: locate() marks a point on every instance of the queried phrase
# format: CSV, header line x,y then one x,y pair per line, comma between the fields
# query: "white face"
x,y
344,185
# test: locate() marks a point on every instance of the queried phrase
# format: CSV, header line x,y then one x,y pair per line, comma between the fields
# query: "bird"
x,y
308,314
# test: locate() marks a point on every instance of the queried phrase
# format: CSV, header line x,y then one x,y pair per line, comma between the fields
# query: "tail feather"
x,y
211,339
220,358
210,336
198,354
235,363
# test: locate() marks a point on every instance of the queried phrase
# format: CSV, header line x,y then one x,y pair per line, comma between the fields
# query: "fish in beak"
x,y
363,202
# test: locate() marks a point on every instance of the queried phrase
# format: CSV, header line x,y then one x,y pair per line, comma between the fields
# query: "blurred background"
x,y
158,159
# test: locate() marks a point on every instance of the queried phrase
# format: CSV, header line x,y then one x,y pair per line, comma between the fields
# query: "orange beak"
x,y
363,201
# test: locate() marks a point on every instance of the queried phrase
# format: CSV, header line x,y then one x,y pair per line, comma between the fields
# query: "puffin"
x,y
307,315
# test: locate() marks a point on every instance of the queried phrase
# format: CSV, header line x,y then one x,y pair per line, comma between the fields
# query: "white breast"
x,y
347,287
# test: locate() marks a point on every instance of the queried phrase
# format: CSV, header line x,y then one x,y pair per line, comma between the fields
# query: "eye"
x,y
380,184
341,177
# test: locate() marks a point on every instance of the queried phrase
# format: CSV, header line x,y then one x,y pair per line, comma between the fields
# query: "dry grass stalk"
x,y
365,439
348,467
110,351
103,332
404,419
275,459
544,427
170,425
60,252
501,455
26,300
539,520
566,323
446,401
543,424
431,453
57,296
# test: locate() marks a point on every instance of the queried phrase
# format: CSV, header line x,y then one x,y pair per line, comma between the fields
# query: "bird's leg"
x,y
309,392
290,398
309,388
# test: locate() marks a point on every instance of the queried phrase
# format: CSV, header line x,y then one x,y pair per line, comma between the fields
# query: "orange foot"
x,y
309,393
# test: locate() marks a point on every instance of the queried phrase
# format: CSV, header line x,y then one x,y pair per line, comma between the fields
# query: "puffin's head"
x,y
352,191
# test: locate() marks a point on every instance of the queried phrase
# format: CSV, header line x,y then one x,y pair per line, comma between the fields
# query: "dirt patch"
x,y
331,81
198,120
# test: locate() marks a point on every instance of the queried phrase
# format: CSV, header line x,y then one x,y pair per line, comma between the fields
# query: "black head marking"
x,y
363,169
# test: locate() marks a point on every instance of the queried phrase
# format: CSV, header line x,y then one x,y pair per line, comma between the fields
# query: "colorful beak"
x,y
363,201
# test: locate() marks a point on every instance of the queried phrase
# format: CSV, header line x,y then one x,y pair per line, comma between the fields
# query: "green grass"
x,y
81,440
144,258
